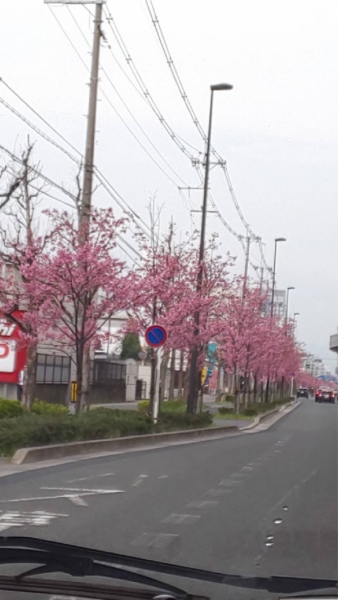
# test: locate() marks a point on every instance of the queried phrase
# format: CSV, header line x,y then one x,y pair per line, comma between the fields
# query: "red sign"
x,y
12,349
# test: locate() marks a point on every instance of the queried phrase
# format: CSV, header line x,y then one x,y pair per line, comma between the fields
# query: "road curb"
x,y
260,418
56,451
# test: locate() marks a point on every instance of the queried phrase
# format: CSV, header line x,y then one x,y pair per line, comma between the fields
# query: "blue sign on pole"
x,y
156,336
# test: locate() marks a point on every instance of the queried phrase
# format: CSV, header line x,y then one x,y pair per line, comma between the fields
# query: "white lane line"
x,y
157,540
66,489
37,518
66,496
139,480
247,469
78,501
213,492
237,475
176,519
88,478
163,477
230,482
203,504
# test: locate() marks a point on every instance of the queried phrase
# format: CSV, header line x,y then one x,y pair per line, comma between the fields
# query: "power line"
x,y
141,84
153,105
131,114
50,182
39,131
39,174
191,111
99,175
114,108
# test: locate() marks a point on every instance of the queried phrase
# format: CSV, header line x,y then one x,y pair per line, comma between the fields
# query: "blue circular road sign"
x,y
156,336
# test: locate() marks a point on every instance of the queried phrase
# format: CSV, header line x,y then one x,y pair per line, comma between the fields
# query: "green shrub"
x,y
10,408
36,430
177,421
31,429
42,408
224,410
173,406
143,406
168,406
230,398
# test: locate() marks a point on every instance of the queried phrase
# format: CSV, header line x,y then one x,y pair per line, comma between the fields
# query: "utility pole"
x,y
91,123
247,255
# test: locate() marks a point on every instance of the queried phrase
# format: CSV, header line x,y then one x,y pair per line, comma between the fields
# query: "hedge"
x,y
31,429
13,408
168,406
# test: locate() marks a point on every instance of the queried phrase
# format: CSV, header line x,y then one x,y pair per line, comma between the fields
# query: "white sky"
x,y
278,127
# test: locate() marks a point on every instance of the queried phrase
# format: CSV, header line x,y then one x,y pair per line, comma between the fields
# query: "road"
x,y
257,504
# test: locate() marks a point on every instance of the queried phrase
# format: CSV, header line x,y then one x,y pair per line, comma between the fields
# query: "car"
x,y
302,392
325,394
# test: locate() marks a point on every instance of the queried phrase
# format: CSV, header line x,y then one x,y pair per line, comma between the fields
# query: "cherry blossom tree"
x,y
21,247
80,284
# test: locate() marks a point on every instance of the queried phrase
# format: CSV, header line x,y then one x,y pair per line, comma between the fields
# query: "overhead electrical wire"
x,y
122,203
154,107
193,115
142,88
130,113
112,105
57,186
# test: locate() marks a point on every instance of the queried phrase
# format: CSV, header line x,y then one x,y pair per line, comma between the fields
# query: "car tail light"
x,y
331,395
319,393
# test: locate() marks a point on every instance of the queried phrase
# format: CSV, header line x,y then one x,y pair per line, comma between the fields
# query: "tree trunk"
x,y
28,395
172,374
255,388
164,367
267,390
181,375
84,396
186,383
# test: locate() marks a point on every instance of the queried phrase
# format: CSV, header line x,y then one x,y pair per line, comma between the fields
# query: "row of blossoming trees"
x,y
69,289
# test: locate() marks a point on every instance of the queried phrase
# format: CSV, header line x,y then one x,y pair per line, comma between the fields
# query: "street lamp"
x,y
277,240
287,302
193,385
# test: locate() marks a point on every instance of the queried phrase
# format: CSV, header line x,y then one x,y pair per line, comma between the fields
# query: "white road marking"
x,y
64,489
202,504
92,477
78,501
247,469
213,492
37,518
66,496
157,540
163,477
177,519
139,480
230,482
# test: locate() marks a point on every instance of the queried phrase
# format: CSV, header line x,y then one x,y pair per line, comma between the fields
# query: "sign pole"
x,y
159,355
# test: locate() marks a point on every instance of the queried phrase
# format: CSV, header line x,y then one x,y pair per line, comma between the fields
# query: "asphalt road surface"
x,y
260,504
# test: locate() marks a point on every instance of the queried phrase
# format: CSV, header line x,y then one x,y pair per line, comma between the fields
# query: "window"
x,y
53,369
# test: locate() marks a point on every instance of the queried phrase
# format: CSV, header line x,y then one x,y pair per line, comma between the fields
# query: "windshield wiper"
x,y
55,556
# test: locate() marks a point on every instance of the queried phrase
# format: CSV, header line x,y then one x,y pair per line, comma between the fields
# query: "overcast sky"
x,y
277,129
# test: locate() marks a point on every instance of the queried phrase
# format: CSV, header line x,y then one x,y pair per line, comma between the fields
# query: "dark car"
x,y
325,395
302,392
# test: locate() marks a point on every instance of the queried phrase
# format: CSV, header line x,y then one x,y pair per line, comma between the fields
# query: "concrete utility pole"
x,y
91,123
246,268
277,240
